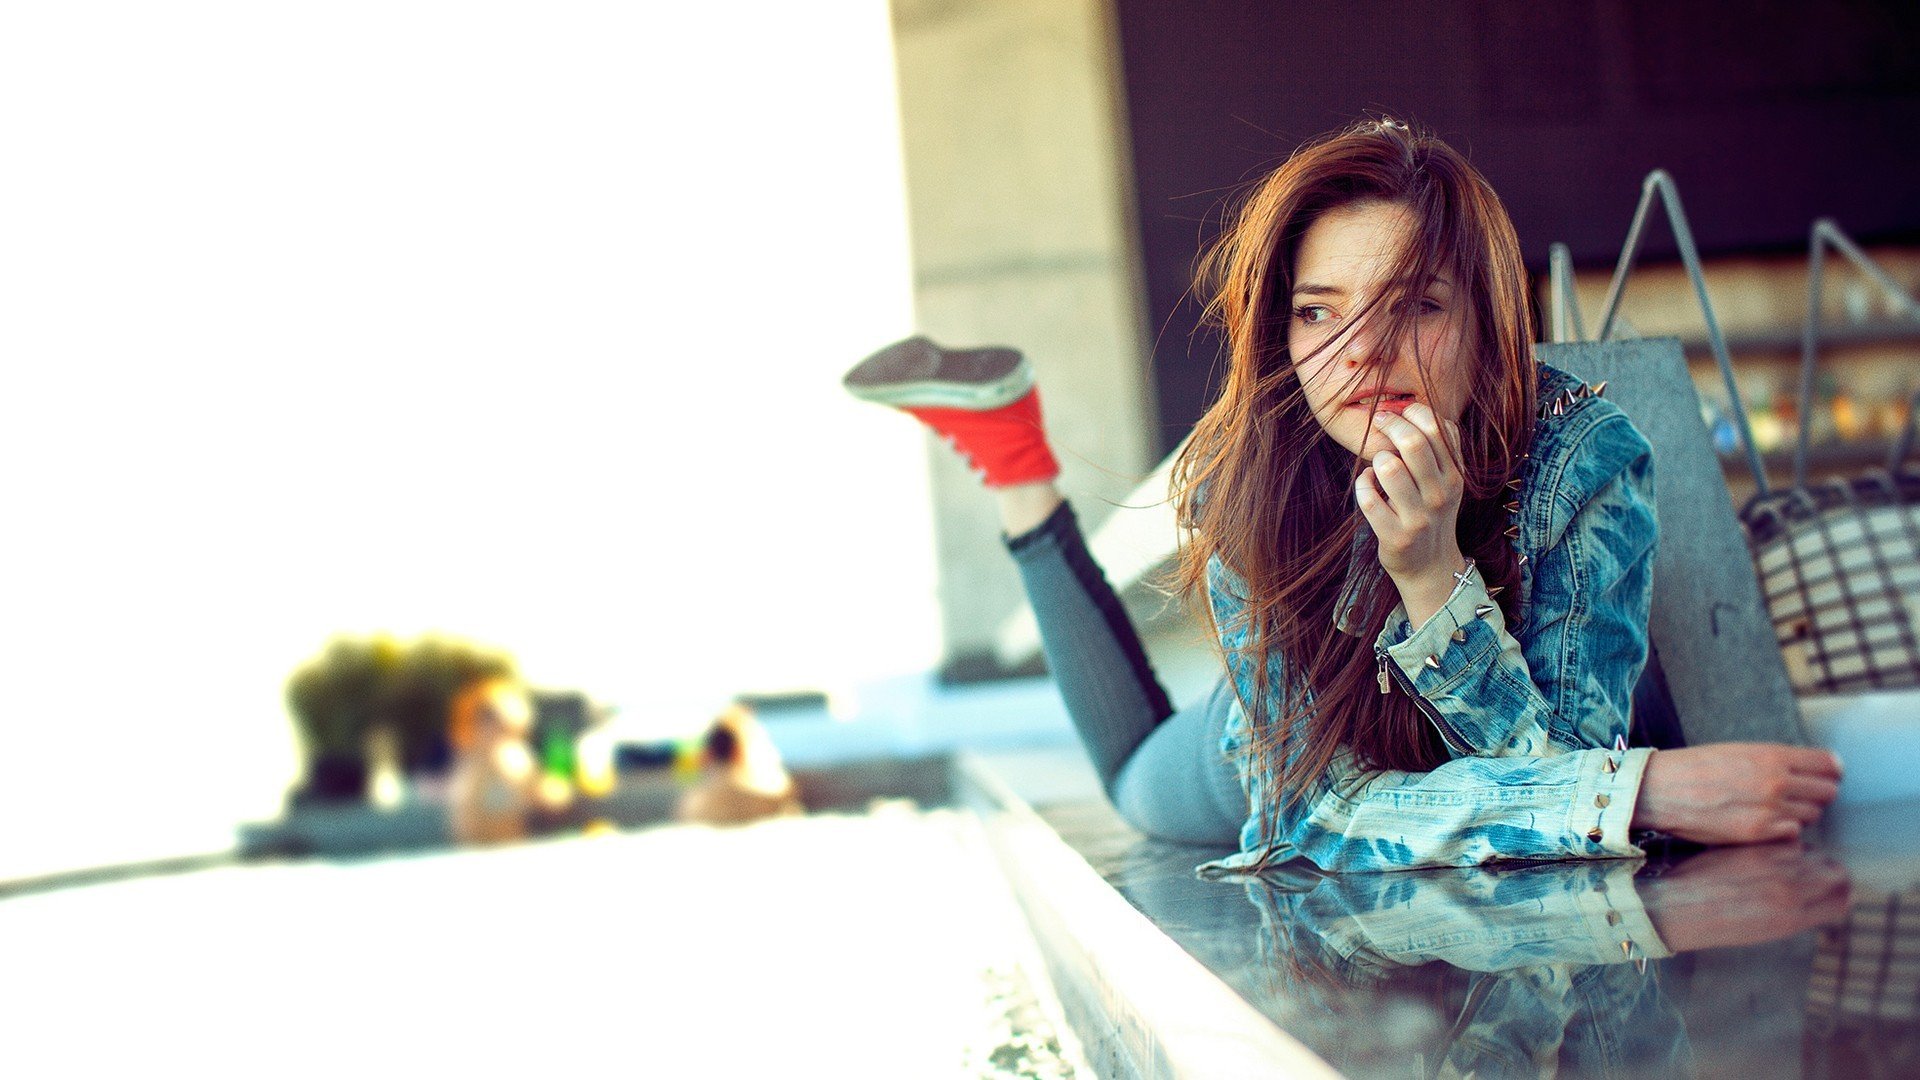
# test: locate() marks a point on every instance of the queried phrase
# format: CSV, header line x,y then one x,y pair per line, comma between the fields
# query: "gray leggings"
x,y
1164,770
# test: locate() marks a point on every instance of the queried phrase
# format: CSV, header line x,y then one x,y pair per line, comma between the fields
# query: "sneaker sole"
x,y
916,372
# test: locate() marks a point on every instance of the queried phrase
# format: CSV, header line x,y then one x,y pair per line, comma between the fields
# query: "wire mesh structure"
x,y
1864,994
1839,567
1839,561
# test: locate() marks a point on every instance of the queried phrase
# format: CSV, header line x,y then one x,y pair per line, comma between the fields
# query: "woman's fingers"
x,y
1373,503
1429,424
1811,762
1420,450
1813,789
1804,812
1396,482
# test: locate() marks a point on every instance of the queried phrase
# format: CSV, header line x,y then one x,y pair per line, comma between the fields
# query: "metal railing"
x,y
1567,323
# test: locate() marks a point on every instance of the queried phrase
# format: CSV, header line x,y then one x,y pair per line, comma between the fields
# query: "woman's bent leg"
x,y
1179,784
1169,778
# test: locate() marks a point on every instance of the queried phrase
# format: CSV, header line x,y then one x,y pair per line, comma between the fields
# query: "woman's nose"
x,y
1363,344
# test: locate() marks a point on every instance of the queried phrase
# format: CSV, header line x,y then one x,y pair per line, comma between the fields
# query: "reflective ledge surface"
x,y
1783,960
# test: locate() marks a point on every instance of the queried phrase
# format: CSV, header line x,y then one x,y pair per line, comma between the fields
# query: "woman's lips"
x,y
1396,406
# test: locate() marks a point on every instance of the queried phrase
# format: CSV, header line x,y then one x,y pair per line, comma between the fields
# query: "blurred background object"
x,y
742,777
364,698
496,780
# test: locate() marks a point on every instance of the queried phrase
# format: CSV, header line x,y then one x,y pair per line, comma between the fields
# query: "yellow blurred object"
x,y
555,792
687,758
1847,422
386,787
1766,429
593,764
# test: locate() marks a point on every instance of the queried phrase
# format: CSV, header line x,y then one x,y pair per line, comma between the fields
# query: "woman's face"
x,y
1340,270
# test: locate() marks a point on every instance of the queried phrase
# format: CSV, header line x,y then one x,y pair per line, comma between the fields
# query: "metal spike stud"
x,y
1613,918
1512,532
1601,801
1459,635
1496,590
1599,388
1482,611
1433,662
1640,964
1514,484
1512,507
1523,560
1581,391
1626,949
1594,834
1559,407
1610,765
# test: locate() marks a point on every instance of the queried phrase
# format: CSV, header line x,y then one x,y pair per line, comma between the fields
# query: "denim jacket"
x,y
1534,716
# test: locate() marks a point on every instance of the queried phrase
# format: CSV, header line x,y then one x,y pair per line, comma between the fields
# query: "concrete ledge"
x,y
1141,1005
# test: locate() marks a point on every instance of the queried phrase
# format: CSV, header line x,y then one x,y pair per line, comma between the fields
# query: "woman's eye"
x,y
1312,313
1430,306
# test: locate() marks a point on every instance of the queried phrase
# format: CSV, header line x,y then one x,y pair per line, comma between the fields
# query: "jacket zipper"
x,y
1390,675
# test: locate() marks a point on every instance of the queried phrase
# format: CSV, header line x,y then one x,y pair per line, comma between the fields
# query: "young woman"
x,y
1426,557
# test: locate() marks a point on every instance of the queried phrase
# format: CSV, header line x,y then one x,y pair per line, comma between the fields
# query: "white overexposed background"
x,y
517,321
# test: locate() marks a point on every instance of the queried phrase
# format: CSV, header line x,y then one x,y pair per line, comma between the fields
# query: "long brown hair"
x,y
1264,489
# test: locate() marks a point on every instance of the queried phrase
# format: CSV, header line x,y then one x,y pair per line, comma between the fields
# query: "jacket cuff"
x,y
1608,788
1612,913
1456,638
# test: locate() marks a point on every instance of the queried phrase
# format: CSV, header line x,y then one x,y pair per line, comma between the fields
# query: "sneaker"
x,y
982,401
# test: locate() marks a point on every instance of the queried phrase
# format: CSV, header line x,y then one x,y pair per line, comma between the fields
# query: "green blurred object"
x,y
558,756
560,718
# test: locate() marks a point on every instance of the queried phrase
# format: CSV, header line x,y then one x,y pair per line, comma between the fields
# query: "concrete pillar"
x,y
1020,209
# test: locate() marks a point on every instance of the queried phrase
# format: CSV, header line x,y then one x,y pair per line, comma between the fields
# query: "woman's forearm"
x,y
1465,812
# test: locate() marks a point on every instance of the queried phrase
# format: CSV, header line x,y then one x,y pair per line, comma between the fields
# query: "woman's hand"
x,y
1736,793
1743,896
1411,497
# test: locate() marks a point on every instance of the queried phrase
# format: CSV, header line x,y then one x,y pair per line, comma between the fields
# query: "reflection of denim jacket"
x,y
1530,714
1542,954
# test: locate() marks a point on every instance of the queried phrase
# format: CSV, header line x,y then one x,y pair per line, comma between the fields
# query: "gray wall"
x,y
1021,214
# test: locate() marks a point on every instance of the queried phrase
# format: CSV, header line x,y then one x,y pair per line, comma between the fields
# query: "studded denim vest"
x,y
1534,715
